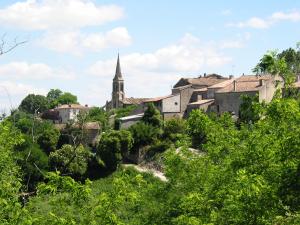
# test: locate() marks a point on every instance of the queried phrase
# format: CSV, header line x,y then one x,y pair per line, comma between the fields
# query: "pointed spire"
x,y
118,74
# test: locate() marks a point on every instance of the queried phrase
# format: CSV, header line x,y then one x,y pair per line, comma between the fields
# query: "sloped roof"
x,y
158,98
71,106
206,81
118,74
134,101
245,83
136,116
222,84
201,102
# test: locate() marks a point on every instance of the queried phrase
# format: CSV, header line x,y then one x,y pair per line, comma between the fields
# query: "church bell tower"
x,y
118,94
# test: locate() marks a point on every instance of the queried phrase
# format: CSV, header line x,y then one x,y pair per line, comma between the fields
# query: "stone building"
x,y
226,96
211,93
214,93
65,113
69,112
187,93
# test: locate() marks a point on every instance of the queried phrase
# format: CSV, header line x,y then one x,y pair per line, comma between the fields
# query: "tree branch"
x,y
5,47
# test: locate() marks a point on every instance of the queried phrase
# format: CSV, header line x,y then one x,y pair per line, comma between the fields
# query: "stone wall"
x,y
230,101
171,104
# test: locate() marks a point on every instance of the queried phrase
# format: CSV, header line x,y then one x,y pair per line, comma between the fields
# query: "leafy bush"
x,y
70,160
48,138
152,116
113,146
143,134
33,162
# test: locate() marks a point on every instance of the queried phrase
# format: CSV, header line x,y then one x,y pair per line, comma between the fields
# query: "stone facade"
x,y
211,93
65,113
118,94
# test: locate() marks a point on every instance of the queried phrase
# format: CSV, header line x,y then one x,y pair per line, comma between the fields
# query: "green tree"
x,y
113,146
248,112
292,58
198,127
143,134
10,185
53,96
152,116
70,160
272,63
34,104
48,137
67,98
97,114
33,162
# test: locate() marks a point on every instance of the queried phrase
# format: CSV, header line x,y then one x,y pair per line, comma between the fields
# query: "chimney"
x,y
230,77
261,82
234,85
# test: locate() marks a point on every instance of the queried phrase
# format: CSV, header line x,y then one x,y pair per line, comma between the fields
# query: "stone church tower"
x,y
118,94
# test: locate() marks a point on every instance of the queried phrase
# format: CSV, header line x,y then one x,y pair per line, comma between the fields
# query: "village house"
x,y
210,92
63,114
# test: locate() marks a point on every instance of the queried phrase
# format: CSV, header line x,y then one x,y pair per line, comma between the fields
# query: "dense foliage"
x,y
34,104
218,171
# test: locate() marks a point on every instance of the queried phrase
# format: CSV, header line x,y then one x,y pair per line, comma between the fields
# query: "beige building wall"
x,y
171,104
230,101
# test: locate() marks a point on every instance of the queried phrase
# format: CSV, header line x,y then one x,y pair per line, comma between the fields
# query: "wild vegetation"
x,y
219,171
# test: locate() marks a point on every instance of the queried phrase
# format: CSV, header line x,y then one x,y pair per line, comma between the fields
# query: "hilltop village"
x,y
204,153
211,93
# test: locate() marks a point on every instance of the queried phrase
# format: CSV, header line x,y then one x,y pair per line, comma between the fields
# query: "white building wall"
x,y
171,104
68,114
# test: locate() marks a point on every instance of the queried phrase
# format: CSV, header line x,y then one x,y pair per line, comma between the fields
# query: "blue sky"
x,y
73,44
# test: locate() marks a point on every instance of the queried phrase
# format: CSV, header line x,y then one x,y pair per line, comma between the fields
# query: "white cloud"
x,y
11,94
253,22
75,42
232,44
226,12
152,74
240,41
187,55
13,89
292,16
264,23
117,37
35,71
58,14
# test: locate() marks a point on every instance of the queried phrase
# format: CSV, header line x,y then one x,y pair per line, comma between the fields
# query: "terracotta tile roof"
x,y
134,101
206,81
158,98
245,83
222,84
201,102
71,106
200,89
